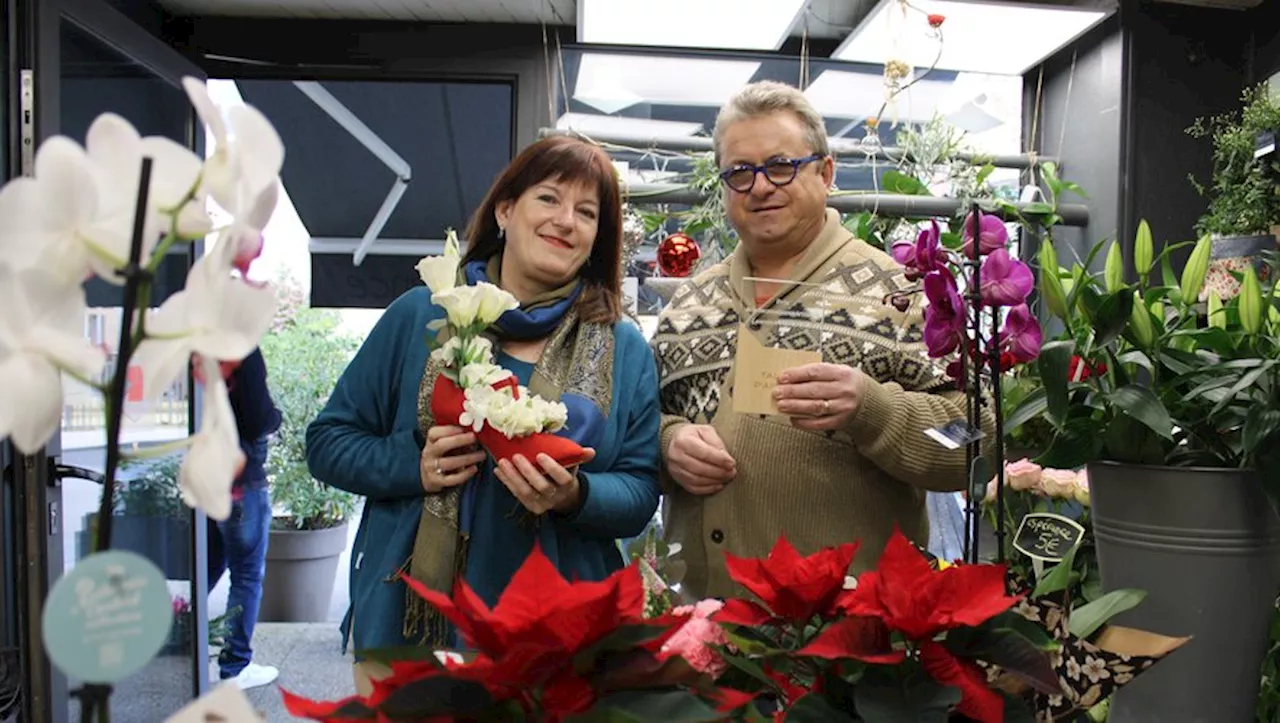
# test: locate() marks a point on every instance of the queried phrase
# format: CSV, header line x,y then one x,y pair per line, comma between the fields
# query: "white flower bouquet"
x,y
472,390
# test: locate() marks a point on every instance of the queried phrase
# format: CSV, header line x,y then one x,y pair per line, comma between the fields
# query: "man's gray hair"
x,y
769,96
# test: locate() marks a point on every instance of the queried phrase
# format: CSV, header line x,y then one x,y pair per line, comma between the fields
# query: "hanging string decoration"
x,y
632,234
678,255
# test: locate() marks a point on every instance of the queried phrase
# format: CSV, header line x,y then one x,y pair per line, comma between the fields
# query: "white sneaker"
x,y
256,676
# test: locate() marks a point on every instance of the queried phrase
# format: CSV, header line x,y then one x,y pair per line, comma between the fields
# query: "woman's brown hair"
x,y
568,160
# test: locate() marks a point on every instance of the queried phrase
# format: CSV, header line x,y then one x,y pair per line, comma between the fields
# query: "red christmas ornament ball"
x,y
678,255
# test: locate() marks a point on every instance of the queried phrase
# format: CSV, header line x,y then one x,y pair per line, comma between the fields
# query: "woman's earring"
x,y
501,232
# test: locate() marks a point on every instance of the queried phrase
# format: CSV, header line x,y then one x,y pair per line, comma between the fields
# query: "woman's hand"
x,y
547,486
447,459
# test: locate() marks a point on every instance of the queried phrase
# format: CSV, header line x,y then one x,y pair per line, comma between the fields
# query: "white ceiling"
x,y
824,19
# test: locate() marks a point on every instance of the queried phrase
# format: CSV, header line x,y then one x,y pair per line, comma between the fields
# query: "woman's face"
x,y
550,230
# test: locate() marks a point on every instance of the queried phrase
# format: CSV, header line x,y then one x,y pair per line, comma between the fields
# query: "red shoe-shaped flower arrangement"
x,y
550,650
471,390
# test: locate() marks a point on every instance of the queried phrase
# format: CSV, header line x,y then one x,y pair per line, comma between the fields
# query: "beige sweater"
x,y
819,489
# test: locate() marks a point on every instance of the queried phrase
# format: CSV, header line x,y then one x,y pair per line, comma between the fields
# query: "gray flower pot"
x,y
1205,545
302,567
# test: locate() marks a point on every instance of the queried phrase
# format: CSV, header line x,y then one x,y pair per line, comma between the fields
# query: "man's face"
x,y
766,213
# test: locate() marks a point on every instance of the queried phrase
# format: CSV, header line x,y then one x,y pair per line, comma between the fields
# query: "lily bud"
x,y
1051,291
1143,250
1144,331
1113,272
1194,272
1251,302
1217,317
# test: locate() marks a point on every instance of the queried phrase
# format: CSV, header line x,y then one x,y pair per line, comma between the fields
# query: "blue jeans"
x,y
239,544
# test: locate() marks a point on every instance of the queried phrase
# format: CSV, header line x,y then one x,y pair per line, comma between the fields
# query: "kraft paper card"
x,y
756,370
224,704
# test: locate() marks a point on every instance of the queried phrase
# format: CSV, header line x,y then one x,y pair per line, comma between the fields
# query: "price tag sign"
x,y
107,617
1046,537
955,434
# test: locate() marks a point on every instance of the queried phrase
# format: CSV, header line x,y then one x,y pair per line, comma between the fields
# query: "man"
x,y
239,543
846,458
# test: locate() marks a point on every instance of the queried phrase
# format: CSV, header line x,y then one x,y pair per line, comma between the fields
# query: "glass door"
x,y
87,59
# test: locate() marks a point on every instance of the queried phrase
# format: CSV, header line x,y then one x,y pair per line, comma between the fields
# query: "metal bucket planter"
x,y
1205,545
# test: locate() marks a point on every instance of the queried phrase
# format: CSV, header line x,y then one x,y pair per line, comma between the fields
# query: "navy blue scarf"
x,y
534,319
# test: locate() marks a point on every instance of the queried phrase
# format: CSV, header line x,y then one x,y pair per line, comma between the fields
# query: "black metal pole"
x,y
997,396
975,395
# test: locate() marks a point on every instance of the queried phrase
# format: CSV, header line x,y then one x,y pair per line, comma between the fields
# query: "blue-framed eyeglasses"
x,y
779,171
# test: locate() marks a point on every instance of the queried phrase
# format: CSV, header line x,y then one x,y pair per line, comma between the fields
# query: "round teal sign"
x,y
107,617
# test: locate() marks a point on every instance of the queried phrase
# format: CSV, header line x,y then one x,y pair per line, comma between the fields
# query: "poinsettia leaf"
x,y
915,698
403,653
625,637
859,638
748,667
352,709
815,708
1009,650
1086,619
1034,632
436,695
668,706
748,644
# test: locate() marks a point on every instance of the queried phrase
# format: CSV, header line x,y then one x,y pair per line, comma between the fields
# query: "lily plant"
x,y
1145,373
113,209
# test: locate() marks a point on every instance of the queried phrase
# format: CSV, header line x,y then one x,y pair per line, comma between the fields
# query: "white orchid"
x,y
41,333
217,316
75,216
246,158
215,459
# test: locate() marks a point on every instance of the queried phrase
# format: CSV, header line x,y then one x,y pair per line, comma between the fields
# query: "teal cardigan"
x,y
367,441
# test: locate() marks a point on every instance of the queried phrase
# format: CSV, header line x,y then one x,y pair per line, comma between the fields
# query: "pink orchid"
x,y
1021,335
944,318
992,234
922,257
1006,281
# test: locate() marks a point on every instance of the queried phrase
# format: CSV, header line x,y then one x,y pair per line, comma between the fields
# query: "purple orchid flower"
x,y
1006,281
944,317
992,234
923,256
1021,336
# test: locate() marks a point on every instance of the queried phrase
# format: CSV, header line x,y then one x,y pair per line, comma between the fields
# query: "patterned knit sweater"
x,y
817,488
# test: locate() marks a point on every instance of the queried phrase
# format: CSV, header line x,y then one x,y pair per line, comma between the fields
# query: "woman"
x,y
549,232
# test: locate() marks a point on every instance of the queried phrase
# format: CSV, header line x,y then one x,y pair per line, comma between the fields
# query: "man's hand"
x,y
698,460
820,397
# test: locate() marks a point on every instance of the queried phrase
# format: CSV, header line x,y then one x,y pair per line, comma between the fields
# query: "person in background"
x,y
437,507
239,544
846,456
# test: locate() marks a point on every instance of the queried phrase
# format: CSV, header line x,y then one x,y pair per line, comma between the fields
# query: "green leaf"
x,y
1009,650
623,638
1109,313
1086,619
1055,364
815,708
887,696
437,695
1245,382
899,182
1033,632
642,706
749,667
1142,404
1031,407
1037,208
1059,577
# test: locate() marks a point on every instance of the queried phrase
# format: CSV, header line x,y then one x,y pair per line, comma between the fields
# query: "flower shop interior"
x,y
1127,146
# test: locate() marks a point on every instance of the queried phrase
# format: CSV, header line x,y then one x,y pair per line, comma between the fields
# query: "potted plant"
x,y
1175,408
305,355
1244,207
150,517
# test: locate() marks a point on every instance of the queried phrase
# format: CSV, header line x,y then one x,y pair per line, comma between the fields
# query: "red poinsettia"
x,y
549,649
912,598
792,587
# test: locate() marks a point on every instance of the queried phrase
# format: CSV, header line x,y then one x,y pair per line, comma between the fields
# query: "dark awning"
x,y
453,139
